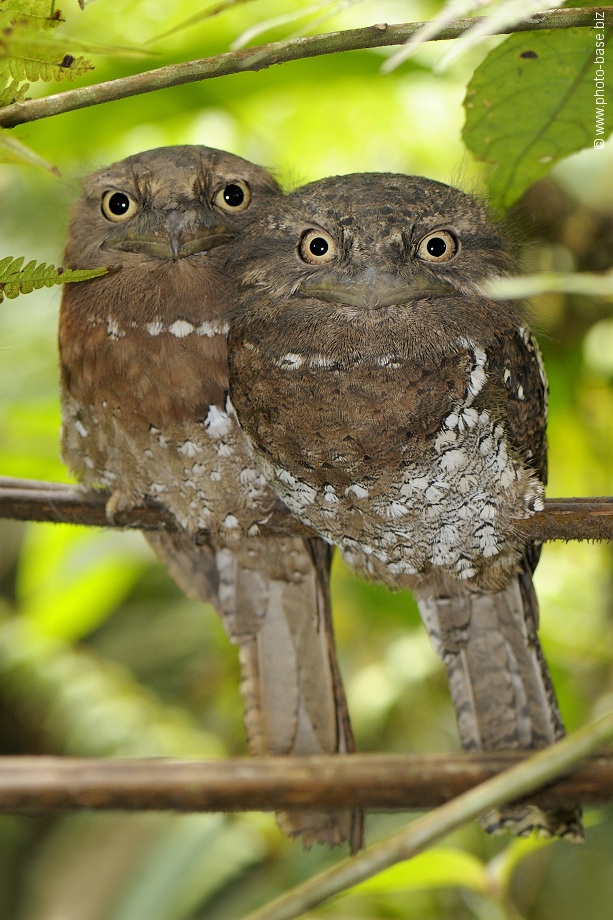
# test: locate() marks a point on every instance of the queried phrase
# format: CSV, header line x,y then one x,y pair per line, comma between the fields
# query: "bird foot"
x,y
119,502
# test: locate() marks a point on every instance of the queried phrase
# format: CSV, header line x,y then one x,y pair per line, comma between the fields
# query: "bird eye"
x,y
235,196
317,246
439,246
118,206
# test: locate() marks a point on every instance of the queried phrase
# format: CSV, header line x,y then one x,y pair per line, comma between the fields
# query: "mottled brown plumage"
x,y
421,433
144,387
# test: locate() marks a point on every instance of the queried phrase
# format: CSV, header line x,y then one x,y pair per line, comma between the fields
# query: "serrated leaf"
x,y
17,278
37,60
530,104
13,92
13,151
35,14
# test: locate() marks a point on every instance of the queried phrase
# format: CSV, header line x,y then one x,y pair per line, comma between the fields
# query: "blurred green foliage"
x,y
99,651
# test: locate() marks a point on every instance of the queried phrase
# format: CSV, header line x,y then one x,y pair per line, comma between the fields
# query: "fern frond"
x,y
34,14
12,92
17,278
28,60
25,58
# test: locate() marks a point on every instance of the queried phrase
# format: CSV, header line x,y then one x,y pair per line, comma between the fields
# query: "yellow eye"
x,y
118,206
438,246
235,196
317,246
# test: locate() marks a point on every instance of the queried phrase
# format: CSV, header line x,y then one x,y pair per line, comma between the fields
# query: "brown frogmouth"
x,y
144,388
402,414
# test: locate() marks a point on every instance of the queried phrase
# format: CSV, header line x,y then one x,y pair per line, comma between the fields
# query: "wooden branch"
x,y
263,56
30,500
43,785
59,503
542,767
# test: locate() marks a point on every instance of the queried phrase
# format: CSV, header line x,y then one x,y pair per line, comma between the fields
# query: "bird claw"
x,y
118,502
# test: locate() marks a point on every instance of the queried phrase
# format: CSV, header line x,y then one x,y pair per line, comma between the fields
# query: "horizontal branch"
x,y
42,785
264,56
30,500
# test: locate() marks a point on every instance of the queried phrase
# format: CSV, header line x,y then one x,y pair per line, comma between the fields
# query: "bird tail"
x,y
501,687
275,603
193,567
273,598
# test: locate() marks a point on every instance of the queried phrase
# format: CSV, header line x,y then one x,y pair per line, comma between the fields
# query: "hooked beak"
x,y
373,289
176,239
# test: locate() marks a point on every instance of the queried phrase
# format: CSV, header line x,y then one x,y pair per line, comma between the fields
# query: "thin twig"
x,y
44,785
31,500
264,56
540,768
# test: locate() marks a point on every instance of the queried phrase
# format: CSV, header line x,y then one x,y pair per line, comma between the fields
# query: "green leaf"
x,y
13,151
24,58
13,92
70,580
34,14
40,60
442,867
503,866
17,278
194,860
531,103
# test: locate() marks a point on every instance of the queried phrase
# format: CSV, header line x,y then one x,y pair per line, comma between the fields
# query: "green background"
x,y
99,652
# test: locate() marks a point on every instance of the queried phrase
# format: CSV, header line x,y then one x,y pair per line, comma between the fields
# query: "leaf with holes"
x,y
533,101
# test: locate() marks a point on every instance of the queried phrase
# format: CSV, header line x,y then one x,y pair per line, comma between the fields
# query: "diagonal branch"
x,y
541,767
44,785
264,56
30,500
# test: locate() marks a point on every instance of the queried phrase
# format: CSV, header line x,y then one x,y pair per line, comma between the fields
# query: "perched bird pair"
x,y
386,401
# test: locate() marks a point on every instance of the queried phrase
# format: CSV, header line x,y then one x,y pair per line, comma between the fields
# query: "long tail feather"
x,y
273,599
501,688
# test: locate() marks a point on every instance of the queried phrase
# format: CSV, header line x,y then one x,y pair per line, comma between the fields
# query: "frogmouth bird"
x,y
144,388
401,413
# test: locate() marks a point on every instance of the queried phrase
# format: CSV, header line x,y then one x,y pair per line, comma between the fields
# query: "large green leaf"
x,y
531,103
440,867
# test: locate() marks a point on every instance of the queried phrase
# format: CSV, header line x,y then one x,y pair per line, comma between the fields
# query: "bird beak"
x,y
373,289
177,239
